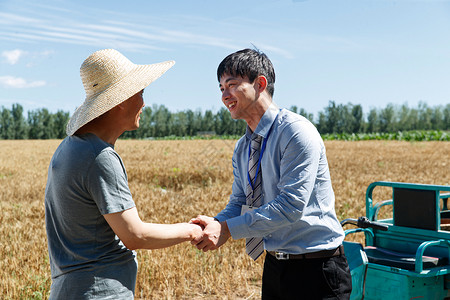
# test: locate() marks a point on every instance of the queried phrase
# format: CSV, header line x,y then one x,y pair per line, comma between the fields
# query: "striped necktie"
x,y
254,246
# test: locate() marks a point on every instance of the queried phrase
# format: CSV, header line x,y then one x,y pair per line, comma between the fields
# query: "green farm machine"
x,y
405,256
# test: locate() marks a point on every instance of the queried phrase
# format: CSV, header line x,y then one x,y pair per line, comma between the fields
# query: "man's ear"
x,y
261,80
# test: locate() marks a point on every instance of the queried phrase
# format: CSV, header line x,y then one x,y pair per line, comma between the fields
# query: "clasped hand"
x,y
214,234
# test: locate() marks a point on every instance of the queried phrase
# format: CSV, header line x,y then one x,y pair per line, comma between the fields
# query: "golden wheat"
x,y
173,181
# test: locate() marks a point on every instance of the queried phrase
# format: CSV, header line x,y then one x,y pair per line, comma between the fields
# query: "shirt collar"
x,y
265,123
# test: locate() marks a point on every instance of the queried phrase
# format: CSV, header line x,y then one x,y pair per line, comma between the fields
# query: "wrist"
x,y
193,232
225,230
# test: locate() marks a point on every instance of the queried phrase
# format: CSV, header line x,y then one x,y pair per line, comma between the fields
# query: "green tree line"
x,y
158,122
349,118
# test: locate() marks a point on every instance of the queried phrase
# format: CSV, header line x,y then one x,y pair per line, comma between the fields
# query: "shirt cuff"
x,y
238,228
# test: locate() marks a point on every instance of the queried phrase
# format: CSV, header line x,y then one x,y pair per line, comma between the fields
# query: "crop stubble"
x,y
173,181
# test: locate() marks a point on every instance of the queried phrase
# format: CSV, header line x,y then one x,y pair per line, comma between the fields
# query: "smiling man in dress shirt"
x,y
282,199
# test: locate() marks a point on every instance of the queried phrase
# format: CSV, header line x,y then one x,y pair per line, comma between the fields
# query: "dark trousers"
x,y
319,278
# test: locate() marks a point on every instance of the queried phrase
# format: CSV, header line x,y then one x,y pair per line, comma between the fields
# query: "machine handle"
x,y
364,222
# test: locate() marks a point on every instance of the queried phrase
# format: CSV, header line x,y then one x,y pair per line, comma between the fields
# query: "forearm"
x,y
136,234
156,236
233,209
278,213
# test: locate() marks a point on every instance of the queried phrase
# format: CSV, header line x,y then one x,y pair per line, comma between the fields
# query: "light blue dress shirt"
x,y
297,215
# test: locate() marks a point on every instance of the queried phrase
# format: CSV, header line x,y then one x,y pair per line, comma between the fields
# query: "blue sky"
x,y
362,52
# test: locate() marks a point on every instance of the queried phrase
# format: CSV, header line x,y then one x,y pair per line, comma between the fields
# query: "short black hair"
x,y
248,63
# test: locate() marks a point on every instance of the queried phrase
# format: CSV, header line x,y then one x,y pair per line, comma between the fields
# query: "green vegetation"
x,y
335,122
415,135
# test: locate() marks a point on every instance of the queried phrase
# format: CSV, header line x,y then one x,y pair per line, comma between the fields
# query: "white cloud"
x,y
13,56
20,83
6,18
135,32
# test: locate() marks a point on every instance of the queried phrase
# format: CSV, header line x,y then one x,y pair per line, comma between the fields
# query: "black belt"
x,y
319,254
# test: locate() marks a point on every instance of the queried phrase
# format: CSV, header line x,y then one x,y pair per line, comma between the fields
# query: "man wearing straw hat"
x,y
282,200
92,223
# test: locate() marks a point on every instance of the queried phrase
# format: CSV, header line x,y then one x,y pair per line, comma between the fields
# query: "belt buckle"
x,y
281,256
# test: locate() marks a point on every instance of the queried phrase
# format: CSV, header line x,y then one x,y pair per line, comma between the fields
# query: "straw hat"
x,y
109,79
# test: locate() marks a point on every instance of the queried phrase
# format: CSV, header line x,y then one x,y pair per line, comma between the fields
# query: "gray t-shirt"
x,y
87,179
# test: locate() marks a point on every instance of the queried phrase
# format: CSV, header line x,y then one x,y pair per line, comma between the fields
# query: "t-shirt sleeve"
x,y
108,183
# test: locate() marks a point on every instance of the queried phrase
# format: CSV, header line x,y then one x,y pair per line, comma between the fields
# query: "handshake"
x,y
208,233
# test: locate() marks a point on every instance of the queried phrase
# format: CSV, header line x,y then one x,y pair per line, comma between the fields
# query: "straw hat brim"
x,y
136,80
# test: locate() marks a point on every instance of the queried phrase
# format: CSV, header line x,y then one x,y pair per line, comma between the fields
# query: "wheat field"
x,y
173,181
